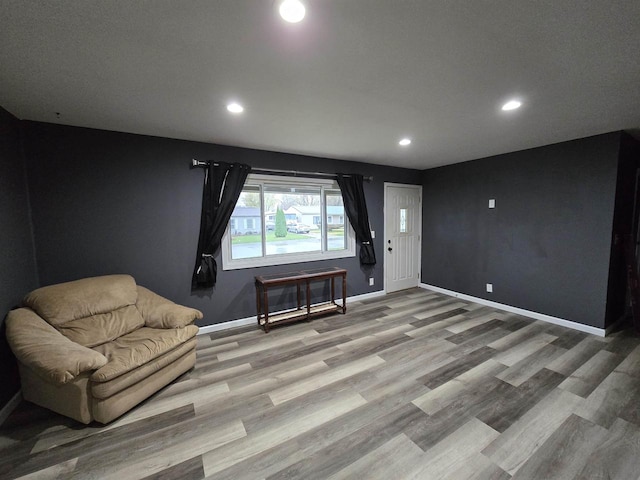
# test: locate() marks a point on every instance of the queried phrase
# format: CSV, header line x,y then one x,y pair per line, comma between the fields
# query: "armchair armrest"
x,y
159,312
42,348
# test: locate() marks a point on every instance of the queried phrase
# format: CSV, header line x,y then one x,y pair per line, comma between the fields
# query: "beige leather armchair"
x,y
94,348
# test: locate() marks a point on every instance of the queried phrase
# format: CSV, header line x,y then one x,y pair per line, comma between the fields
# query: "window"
x,y
303,221
403,220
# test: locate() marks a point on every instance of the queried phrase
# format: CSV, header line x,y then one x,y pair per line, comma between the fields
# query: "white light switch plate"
x,y
492,203
490,287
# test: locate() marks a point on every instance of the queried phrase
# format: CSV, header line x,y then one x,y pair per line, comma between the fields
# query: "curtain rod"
x,y
273,171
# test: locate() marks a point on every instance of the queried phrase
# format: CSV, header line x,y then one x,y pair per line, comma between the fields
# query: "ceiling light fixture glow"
x,y
511,105
235,108
404,142
292,10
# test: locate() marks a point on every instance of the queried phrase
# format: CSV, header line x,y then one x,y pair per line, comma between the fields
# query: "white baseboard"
x,y
10,406
216,327
241,322
601,332
366,296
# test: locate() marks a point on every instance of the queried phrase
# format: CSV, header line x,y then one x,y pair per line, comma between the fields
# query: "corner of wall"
x,y
25,172
624,210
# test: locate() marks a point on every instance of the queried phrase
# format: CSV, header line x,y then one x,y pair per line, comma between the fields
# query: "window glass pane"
x,y
403,220
335,224
290,212
245,226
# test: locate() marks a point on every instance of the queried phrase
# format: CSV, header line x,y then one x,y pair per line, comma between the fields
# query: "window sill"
x,y
274,260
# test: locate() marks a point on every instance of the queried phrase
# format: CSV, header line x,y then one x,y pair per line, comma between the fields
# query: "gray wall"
x,y
546,245
107,202
17,262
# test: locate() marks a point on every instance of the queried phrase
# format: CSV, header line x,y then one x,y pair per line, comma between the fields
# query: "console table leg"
x,y
344,293
266,310
308,298
333,289
258,309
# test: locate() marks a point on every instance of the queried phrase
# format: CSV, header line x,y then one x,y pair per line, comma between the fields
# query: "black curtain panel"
x,y
223,184
356,207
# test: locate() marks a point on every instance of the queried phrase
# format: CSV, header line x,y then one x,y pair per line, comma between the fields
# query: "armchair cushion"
x,y
63,302
90,311
159,312
44,350
138,348
108,389
102,328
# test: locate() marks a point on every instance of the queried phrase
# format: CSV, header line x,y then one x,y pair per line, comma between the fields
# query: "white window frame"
x,y
229,263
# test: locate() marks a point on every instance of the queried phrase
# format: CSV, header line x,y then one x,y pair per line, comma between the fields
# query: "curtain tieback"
x,y
366,243
204,255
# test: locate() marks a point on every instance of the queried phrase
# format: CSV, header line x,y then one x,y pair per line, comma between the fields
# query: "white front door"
x,y
402,227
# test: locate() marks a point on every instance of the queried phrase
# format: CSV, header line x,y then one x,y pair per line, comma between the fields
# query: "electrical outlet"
x,y
492,203
370,281
490,287
373,234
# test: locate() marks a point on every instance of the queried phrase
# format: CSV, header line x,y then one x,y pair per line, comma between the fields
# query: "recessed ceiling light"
x,y
404,142
235,108
292,10
511,105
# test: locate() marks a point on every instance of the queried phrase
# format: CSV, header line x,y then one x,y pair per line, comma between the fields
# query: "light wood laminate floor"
x,y
413,385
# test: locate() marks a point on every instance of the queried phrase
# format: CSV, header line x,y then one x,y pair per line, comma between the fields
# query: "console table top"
x,y
300,274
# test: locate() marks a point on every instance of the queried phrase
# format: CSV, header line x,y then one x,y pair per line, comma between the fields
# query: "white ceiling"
x,y
347,82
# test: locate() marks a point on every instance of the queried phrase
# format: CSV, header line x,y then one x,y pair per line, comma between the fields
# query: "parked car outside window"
x,y
298,228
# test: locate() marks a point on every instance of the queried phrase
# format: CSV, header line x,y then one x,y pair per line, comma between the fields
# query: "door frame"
x,y
384,240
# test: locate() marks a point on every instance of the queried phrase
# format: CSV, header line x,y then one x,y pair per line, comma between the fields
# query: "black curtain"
x,y
223,184
356,207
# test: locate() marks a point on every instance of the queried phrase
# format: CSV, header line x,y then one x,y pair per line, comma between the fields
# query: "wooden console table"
x,y
303,311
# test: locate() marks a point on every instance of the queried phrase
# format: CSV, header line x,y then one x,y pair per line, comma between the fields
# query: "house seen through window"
x,y
281,220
